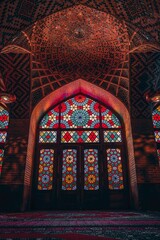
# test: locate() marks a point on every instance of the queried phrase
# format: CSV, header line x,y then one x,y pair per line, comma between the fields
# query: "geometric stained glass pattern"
x,y
80,112
45,176
156,117
112,136
4,118
1,159
47,137
3,136
79,136
157,136
91,171
69,169
51,119
114,165
109,119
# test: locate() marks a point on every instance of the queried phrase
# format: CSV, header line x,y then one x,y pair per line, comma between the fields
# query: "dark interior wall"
x,y
144,75
17,69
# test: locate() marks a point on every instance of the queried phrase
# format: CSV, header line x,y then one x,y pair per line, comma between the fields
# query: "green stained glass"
x,y
91,171
114,165
69,169
112,136
3,136
156,117
79,136
51,119
47,137
45,176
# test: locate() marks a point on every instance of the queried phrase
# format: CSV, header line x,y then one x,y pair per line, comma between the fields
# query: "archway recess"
x,y
73,88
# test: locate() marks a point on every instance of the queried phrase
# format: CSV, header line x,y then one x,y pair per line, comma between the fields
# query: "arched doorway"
x,y
80,158
56,97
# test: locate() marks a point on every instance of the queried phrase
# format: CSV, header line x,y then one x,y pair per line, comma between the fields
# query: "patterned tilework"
x,y
16,68
79,136
145,72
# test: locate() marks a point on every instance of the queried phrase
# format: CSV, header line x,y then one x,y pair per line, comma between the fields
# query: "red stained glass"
x,y
109,119
4,118
51,119
79,136
156,117
91,171
69,169
114,164
45,176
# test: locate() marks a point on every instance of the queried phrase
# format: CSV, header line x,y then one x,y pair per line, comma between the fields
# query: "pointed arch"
x,y
73,88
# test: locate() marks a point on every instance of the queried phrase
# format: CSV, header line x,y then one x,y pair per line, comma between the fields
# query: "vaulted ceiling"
x,y
89,39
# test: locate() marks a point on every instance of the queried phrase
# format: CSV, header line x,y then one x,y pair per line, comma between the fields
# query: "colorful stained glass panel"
x,y
4,118
3,136
45,176
1,159
91,171
80,112
109,119
114,165
156,117
47,137
112,136
157,136
69,169
51,119
80,136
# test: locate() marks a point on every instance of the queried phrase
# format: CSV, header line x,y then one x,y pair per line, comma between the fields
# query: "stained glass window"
x,y
4,118
47,136
79,136
45,176
69,169
157,136
91,171
1,159
80,112
114,165
51,119
109,119
156,125
156,117
3,136
112,136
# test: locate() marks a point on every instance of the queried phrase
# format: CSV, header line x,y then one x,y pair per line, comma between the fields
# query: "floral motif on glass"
x,y
3,136
47,137
45,176
51,119
109,119
114,165
112,136
79,136
69,169
1,159
91,171
157,136
156,117
80,112
4,118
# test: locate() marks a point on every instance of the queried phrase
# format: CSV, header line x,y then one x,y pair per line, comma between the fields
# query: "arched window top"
x,y
156,117
4,118
80,112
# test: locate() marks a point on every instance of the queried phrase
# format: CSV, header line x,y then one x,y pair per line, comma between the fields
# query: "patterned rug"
x,y
81,225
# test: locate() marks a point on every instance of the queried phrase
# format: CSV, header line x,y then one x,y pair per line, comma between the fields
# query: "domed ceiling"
x,y
80,41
